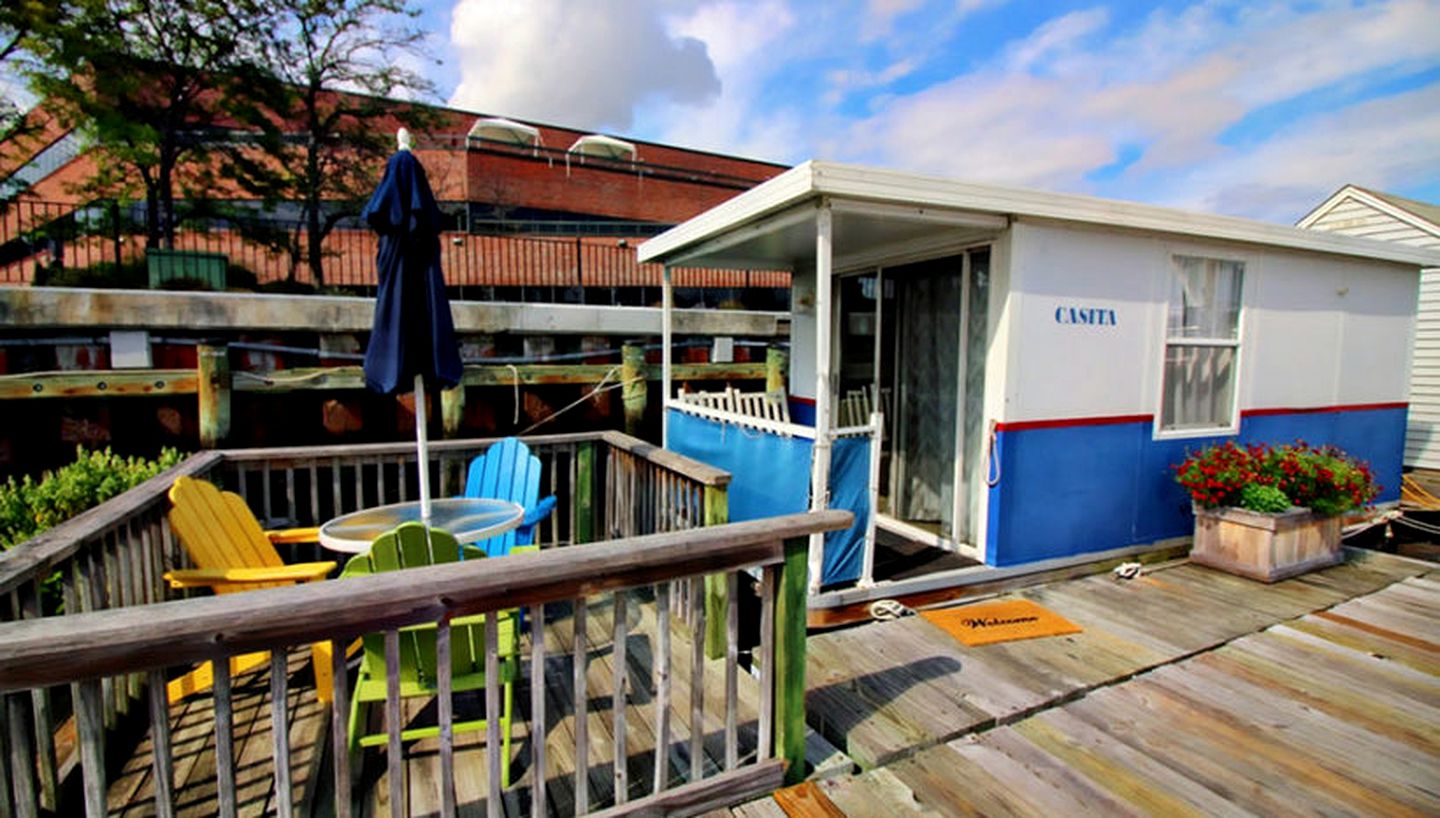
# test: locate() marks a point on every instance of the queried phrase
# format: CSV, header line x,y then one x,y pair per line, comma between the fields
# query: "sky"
x,y
1244,108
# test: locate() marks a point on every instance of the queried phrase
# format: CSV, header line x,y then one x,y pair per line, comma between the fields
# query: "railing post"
x,y
584,493
790,621
632,375
717,589
213,385
775,360
115,233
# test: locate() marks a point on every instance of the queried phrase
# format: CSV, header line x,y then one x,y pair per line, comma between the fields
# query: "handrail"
x,y
695,470
56,650
400,447
44,551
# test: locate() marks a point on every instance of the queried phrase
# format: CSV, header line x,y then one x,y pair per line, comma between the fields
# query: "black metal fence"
x,y
102,244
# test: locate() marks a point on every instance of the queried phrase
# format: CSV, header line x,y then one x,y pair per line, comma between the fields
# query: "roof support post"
x,y
820,463
667,322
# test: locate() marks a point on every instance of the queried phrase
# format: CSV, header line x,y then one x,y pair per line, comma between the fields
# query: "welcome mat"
x,y
1005,621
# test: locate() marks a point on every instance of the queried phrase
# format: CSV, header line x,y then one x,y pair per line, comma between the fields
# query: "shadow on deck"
x,y
131,792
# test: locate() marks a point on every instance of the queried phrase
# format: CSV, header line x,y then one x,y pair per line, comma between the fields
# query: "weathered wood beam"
x,y
66,307
99,384
112,383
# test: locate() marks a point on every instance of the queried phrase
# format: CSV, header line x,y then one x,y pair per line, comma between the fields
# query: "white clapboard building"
x,y
1356,211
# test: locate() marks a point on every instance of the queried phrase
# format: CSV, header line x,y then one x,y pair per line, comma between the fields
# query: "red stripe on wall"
x,y
1057,423
1023,425
1315,410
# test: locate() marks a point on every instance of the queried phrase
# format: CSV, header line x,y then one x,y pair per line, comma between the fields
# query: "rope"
x,y
884,610
600,387
1412,492
272,381
992,465
515,381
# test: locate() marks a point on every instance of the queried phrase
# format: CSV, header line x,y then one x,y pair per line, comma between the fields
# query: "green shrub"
x,y
1264,499
131,275
28,507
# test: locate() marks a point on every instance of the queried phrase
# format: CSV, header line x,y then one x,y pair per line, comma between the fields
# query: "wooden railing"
x,y
114,556
83,650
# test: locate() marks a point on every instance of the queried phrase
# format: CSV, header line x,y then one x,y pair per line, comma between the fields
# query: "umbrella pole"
x,y
422,447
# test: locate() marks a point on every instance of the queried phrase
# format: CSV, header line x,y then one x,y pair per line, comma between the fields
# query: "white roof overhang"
x,y
497,129
879,213
607,146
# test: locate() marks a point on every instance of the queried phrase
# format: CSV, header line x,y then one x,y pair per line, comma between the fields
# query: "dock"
x,y
1189,692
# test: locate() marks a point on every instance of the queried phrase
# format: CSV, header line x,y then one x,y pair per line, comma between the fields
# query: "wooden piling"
x,y
775,365
632,375
452,410
213,385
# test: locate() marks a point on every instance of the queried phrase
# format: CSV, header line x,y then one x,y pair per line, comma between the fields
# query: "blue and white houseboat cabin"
x,y
1037,363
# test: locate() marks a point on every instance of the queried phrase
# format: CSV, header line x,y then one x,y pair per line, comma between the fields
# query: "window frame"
x,y
1169,341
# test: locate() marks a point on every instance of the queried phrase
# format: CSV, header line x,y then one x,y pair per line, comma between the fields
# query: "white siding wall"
x,y
1422,436
1316,330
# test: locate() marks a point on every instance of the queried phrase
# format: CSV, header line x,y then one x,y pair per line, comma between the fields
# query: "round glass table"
x,y
469,519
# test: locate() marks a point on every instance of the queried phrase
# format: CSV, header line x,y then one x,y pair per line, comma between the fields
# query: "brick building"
x,y
552,211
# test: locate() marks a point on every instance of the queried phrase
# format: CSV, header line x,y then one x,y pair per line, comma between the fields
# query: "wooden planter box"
x,y
1267,547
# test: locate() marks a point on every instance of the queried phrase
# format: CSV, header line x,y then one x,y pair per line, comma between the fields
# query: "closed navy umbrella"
x,y
413,338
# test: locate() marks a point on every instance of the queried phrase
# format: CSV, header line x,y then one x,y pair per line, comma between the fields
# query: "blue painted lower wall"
x,y
1076,489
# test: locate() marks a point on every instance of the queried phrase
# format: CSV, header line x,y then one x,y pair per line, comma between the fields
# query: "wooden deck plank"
x,y
876,792
1299,763
1390,766
1282,600
1392,715
1128,774
1422,661
1133,713
1027,772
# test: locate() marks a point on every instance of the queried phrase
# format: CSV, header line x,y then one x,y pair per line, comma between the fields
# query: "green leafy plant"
x,y
1264,499
1324,479
28,506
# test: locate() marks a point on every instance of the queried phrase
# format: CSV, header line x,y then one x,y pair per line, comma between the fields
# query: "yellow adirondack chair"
x,y
234,554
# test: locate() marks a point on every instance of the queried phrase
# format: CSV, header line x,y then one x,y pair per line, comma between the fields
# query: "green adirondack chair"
x,y
412,546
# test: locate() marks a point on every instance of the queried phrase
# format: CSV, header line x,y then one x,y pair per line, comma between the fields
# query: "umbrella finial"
x,y
402,136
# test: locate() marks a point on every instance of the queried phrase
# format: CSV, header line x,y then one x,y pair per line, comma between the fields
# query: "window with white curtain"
x,y
1202,345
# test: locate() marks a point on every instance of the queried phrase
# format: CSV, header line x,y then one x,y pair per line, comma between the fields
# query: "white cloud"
x,y
745,41
880,16
1383,144
1059,36
1048,113
1056,107
588,65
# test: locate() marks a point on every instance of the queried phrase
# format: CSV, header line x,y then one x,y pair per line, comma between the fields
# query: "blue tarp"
x,y
849,490
770,475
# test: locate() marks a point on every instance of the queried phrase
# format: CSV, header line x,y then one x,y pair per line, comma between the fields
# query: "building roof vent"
x,y
607,147
496,129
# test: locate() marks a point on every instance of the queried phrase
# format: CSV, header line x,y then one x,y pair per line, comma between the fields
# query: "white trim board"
x,y
974,575
847,182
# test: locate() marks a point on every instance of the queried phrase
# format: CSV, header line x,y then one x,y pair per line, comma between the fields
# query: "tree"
x,y
21,22
328,67
141,78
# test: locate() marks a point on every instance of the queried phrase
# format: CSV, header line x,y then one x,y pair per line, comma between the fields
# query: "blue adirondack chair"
x,y
508,471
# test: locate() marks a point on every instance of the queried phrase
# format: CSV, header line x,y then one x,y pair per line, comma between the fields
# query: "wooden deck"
x,y
193,735
1189,693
